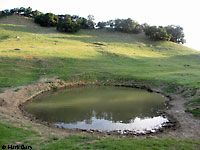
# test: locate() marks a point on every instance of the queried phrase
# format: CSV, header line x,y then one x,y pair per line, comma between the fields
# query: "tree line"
x,y
64,23
169,33
73,23
28,12
172,33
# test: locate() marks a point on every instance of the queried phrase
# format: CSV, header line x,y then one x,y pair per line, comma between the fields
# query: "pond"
x,y
101,109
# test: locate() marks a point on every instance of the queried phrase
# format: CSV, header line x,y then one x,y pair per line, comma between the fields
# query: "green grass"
x,y
44,52
193,101
194,111
10,134
83,143
193,106
73,57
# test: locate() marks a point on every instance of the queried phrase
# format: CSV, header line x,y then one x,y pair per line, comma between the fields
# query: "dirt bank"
x,y
12,98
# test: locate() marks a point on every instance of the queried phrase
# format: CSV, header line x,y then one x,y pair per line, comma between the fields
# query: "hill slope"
x,y
90,55
44,52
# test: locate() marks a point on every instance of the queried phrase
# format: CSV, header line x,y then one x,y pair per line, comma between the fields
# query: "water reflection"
x,y
100,108
137,125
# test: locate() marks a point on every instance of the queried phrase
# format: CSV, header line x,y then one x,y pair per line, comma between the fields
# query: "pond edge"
x,y
173,124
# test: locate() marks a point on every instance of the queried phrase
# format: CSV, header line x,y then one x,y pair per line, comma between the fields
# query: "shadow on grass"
x,y
29,29
106,36
4,37
86,35
183,69
92,36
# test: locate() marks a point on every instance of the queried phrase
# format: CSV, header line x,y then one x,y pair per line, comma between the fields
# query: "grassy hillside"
x,y
91,55
44,52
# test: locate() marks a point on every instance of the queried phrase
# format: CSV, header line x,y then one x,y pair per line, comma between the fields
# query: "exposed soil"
x,y
12,98
189,125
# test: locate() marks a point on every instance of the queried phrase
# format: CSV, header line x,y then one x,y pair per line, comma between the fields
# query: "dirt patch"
x,y
12,99
189,125
2,102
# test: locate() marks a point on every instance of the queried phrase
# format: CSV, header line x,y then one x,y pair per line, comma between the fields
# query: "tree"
x,y
1,13
83,23
47,19
101,25
21,10
6,12
36,13
75,18
28,12
157,33
111,23
12,11
127,25
144,26
90,17
68,24
91,22
176,33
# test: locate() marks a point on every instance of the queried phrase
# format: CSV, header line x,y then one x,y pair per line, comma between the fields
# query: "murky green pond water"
x,y
100,108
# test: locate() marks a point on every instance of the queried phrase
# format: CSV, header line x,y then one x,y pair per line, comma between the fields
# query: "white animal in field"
x,y
17,37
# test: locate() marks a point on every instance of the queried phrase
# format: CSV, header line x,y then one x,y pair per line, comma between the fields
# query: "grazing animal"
x,y
17,37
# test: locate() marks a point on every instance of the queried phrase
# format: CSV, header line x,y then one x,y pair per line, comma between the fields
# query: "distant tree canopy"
x,y
176,34
157,33
101,25
47,20
122,25
68,23
127,25
28,12
168,33
5,12
90,22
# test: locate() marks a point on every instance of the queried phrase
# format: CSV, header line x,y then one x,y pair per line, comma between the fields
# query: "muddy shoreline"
x,y
172,123
15,100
